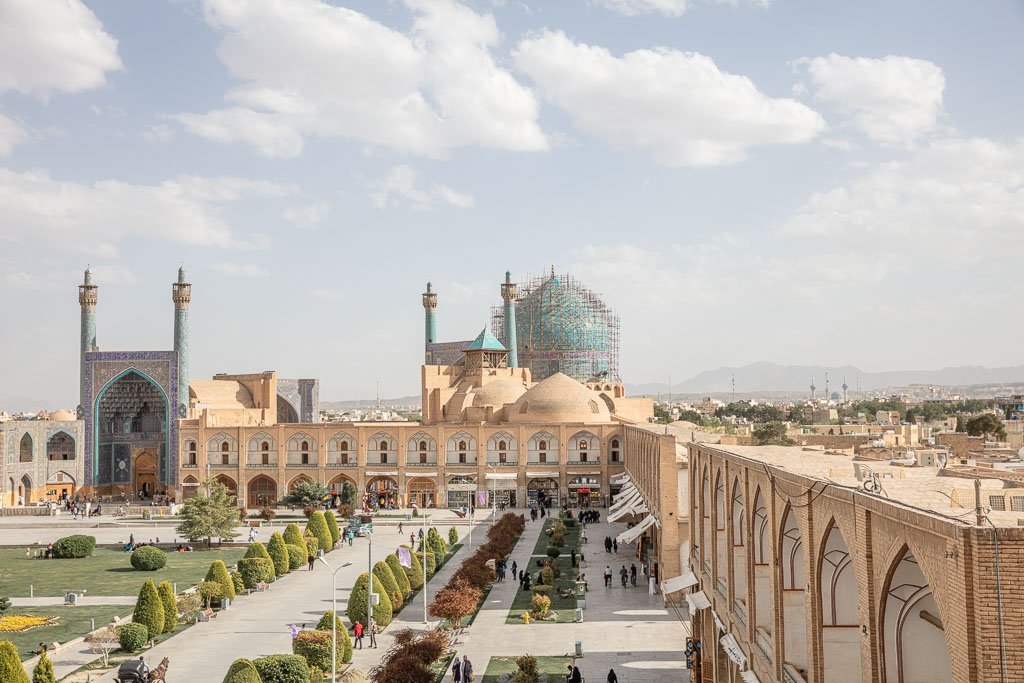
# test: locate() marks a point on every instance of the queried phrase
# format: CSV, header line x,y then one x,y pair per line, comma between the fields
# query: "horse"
x,y
157,674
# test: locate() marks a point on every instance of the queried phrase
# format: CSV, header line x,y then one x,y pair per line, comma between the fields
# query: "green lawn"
x,y
107,572
552,666
73,622
563,608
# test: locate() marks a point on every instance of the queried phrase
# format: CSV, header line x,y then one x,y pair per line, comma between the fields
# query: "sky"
x,y
802,182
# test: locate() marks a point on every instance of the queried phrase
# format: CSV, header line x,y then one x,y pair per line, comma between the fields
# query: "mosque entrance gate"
x,y
144,471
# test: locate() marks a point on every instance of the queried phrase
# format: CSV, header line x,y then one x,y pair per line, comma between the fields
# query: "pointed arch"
x,y
60,446
131,402
26,448
542,447
840,619
382,448
502,449
27,491
915,646
794,615
705,519
615,448
299,479
261,492
760,529
460,449
421,449
301,449
342,449
740,552
229,484
261,450
584,447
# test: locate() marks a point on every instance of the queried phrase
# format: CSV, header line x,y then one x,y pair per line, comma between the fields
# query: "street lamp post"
x,y
334,614
424,569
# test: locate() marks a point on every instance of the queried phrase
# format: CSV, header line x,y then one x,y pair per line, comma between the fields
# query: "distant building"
x,y
41,459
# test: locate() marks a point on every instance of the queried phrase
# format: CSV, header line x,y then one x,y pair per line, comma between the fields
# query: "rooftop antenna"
x,y
734,387
827,396
378,394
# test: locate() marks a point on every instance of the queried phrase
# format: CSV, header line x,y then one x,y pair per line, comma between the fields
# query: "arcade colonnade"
x,y
40,460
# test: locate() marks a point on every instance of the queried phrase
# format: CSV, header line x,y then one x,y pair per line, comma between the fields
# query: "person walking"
x,y
607,544
312,560
607,576
412,540
514,567
573,555
623,575
632,574
612,678
615,546
357,631
574,675
457,671
373,632
467,670
399,528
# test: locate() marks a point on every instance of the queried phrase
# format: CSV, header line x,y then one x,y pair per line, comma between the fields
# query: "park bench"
x,y
207,615
262,586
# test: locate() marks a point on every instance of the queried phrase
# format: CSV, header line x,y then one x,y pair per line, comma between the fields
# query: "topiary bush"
x,y
357,602
73,547
547,575
258,550
210,591
540,605
43,671
298,555
317,526
149,609
282,669
148,559
242,671
453,536
398,571
415,572
236,582
553,552
382,573
218,574
332,526
542,589
166,591
10,664
254,570
315,648
293,535
431,564
278,552
131,637
345,643
570,523
312,546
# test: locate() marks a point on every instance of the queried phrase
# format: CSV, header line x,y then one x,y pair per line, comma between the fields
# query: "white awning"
x,y
552,474
732,649
749,677
416,475
624,498
638,509
500,475
697,601
620,478
382,474
632,502
633,533
678,583
626,492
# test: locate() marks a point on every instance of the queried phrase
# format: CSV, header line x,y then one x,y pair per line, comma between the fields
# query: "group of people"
x,y
359,631
131,545
462,670
624,575
611,544
590,516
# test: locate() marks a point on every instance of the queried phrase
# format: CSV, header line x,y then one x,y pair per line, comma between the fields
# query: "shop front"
x,y
501,489
460,490
542,492
421,492
585,492
381,492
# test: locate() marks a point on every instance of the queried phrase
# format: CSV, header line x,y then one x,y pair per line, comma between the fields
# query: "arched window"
x,y
423,445
462,445
502,446
264,446
343,446
225,447
543,445
305,446
615,450
25,451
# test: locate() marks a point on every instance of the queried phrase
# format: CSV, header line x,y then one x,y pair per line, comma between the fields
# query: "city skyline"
x,y
740,181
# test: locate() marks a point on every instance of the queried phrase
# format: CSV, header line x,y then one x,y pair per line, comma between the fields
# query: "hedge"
x,y
345,653
219,574
317,526
293,534
10,664
332,526
236,582
257,549
357,602
149,609
315,648
132,637
398,571
382,573
149,559
278,552
298,555
415,572
431,563
73,547
242,671
254,570
282,669
166,591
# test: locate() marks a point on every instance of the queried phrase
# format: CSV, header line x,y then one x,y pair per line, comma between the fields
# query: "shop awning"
x,y
624,502
416,475
553,474
634,532
624,495
678,583
500,475
697,601
749,677
619,479
382,474
732,649
637,509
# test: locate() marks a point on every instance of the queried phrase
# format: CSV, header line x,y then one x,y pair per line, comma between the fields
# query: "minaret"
x,y
429,306
812,388
846,390
508,293
88,297
181,293
828,397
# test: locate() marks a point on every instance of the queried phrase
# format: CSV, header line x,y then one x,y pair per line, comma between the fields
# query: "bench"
x,y
207,615
262,586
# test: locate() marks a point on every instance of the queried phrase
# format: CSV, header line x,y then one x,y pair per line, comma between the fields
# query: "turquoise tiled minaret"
x,y
430,334
181,293
508,293
88,296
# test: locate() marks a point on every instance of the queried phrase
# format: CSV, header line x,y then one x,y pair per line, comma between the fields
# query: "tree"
x,y
149,609
166,591
293,534
332,526
210,591
382,573
189,605
43,673
410,657
526,671
102,642
349,493
304,493
986,424
210,513
278,551
258,550
10,664
219,574
317,526
398,571
453,536
344,642
772,434
455,601
357,600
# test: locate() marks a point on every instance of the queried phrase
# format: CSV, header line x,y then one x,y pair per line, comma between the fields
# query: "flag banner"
x,y
405,558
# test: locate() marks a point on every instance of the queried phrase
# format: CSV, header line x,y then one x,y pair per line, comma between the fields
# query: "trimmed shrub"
x,y
398,571
332,526
453,537
415,572
210,591
431,563
547,575
268,513
166,591
553,552
293,534
344,642
298,555
132,637
148,559
382,573
236,581
10,664
312,545
73,547
242,671
542,589
43,673
149,609
218,573
570,523
257,549
540,605
315,647
282,669
278,552
254,570
357,602
317,526
190,603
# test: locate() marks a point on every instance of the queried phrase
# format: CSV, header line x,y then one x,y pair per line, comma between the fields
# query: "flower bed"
x,y
17,623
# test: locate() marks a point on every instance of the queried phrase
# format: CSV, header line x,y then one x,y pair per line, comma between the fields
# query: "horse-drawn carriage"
x,y
137,671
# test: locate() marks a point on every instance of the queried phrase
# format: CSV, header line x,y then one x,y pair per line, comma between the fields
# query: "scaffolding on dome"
x,y
563,327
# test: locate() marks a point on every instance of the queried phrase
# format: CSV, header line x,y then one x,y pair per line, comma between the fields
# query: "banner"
x,y
404,557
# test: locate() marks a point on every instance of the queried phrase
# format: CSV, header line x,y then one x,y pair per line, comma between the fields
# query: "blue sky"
x,y
801,182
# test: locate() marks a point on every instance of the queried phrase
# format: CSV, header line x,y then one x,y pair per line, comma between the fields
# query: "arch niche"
x,y
60,446
262,491
916,650
189,487
301,479
228,483
25,449
542,491
762,570
25,490
740,567
794,615
144,473
421,492
839,617
382,492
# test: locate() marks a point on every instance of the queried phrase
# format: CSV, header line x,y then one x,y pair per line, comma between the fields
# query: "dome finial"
x,y
88,275
181,273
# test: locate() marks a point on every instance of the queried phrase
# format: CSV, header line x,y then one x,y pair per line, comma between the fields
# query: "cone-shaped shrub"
x,y
398,571
149,610
242,671
317,526
166,591
312,545
278,554
315,647
219,574
332,526
293,534
298,555
283,669
382,573
357,602
43,673
344,642
453,536
257,549
236,579
431,561
10,664
254,570
414,573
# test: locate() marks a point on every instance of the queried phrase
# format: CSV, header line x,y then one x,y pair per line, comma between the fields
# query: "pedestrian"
x,y
373,632
632,574
421,533
514,567
357,631
573,554
574,674
615,545
399,528
312,559
351,537
607,576
612,678
623,574
457,671
412,540
607,544
467,670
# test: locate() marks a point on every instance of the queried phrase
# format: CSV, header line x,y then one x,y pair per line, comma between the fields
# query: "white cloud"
x,y
401,187
306,215
12,133
670,8
893,100
313,69
160,132
677,105
53,45
93,218
957,200
57,280
245,270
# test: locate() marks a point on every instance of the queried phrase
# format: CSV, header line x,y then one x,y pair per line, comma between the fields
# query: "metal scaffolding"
x,y
563,327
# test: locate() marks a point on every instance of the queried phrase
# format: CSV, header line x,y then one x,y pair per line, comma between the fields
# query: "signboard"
x,y
461,487
583,490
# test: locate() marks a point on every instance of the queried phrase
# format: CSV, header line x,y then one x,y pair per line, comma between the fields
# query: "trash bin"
x,y
579,648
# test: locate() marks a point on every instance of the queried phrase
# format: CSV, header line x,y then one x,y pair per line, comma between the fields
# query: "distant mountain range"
x,y
370,403
766,377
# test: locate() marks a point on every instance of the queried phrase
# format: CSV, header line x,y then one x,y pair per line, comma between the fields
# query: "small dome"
x,y
62,416
498,393
559,398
